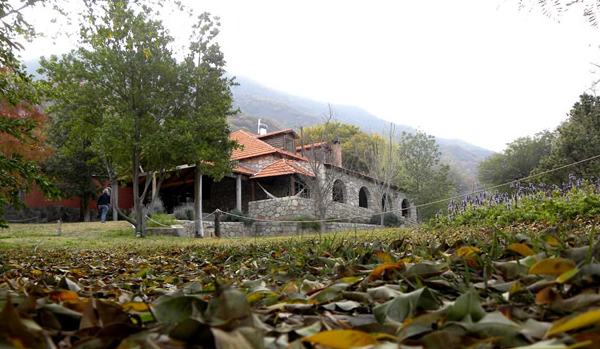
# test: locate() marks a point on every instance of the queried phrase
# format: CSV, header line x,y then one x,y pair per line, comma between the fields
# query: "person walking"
x,y
103,203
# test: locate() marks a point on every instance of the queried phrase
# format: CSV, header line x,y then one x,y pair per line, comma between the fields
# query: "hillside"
x,y
288,111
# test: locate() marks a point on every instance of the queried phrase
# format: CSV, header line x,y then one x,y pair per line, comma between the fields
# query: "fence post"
x,y
59,221
218,224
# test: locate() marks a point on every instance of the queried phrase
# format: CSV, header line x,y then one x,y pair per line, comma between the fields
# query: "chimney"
x,y
336,153
262,128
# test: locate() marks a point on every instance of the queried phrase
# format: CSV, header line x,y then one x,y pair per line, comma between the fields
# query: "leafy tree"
x,y
20,122
517,161
577,139
141,107
421,175
331,129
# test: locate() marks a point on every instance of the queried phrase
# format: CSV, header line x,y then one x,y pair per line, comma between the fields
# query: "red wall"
x,y
36,199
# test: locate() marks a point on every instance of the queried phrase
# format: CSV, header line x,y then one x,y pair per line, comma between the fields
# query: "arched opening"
x,y
363,198
338,191
405,212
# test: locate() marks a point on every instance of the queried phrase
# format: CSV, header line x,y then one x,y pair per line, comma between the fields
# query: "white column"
x,y
198,203
238,192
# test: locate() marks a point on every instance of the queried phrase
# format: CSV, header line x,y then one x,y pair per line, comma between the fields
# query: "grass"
x,y
98,236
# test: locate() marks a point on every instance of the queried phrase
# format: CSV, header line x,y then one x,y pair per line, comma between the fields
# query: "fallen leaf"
x,y
341,339
552,266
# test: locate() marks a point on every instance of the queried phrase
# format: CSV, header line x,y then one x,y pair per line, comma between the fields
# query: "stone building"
x,y
269,182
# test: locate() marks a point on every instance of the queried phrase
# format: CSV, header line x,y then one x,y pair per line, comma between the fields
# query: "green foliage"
x,y
389,219
551,205
308,223
124,91
238,216
161,220
577,139
517,161
421,175
184,212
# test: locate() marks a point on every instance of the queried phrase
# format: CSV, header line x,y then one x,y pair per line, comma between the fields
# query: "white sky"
x,y
480,71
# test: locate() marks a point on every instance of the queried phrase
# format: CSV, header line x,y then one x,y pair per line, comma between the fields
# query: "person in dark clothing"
x,y
103,203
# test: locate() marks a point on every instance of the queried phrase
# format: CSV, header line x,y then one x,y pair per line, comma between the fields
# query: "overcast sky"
x,y
480,71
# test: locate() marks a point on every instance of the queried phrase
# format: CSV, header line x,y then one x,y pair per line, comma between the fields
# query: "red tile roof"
x,y
253,147
243,170
288,130
309,145
282,167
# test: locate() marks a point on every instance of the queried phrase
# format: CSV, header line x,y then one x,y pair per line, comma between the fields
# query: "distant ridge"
x,y
288,111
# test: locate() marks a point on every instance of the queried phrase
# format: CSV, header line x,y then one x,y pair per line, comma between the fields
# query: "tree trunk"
x,y
198,226
114,195
137,205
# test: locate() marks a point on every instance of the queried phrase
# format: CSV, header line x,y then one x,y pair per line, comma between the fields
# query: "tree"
x,y
20,121
149,111
421,175
517,161
380,157
577,139
322,186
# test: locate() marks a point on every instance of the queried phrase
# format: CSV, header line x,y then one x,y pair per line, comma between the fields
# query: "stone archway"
x,y
363,197
339,191
405,211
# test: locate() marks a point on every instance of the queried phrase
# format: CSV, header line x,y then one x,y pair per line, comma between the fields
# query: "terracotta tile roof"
x,y
282,167
252,147
308,146
243,170
287,130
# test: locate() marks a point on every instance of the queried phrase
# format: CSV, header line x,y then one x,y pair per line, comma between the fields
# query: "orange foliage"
x,y
32,150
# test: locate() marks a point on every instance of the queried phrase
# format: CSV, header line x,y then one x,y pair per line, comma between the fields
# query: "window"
x,y
301,187
363,198
289,145
338,191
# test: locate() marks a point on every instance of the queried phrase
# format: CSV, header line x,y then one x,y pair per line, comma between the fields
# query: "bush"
x,y
237,216
576,198
159,207
308,223
389,220
184,212
160,220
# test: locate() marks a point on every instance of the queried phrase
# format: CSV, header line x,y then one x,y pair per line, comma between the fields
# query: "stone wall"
x,y
271,229
280,209
289,208
228,229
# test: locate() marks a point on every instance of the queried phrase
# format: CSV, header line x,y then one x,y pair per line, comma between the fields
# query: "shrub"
x,y
158,207
575,198
184,212
160,220
237,216
308,223
389,220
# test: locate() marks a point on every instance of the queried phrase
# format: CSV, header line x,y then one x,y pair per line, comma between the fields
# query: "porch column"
x,y
199,228
238,192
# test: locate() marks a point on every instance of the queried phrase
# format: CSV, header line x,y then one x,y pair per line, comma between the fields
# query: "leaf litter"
x,y
477,288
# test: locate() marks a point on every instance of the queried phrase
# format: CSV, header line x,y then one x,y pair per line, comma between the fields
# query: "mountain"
x,y
280,110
